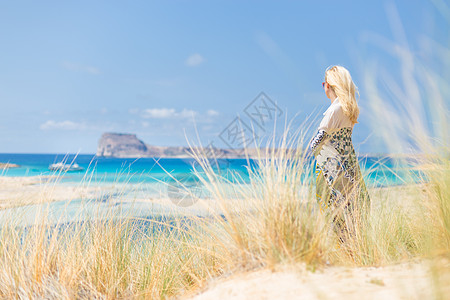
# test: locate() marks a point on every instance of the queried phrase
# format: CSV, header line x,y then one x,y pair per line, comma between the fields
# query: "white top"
x,y
334,117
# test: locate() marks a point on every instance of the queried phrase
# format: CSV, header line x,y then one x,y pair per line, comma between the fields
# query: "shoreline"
x,y
22,194
25,184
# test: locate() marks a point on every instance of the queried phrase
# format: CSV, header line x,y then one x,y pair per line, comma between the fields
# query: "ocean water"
x,y
378,171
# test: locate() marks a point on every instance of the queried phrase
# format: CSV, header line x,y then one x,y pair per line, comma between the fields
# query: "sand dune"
x,y
403,281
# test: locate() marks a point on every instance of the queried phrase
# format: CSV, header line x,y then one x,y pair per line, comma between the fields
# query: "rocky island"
x,y
128,145
8,165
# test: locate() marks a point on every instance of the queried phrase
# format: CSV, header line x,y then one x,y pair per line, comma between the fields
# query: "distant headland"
x,y
8,165
123,145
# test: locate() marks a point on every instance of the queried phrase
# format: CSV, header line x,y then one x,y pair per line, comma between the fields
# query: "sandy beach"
x,y
402,281
23,196
20,191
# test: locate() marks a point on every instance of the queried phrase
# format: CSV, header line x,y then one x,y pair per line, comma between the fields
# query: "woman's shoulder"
x,y
335,111
333,108
336,107
335,118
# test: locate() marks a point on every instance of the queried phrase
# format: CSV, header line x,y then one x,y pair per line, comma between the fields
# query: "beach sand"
x,y
402,281
21,191
137,199
24,191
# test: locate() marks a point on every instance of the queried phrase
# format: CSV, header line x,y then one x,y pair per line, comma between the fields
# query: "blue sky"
x,y
70,71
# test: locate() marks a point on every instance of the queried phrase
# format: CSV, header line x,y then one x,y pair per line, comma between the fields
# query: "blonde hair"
x,y
342,84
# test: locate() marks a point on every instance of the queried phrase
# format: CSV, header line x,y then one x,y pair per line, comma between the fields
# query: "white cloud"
x,y
64,125
166,113
158,113
212,113
173,114
80,68
194,60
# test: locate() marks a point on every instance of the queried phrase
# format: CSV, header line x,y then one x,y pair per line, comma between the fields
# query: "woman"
x,y
340,188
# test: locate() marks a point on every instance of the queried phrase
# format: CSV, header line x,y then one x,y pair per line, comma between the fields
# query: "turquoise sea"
x,y
138,182
378,170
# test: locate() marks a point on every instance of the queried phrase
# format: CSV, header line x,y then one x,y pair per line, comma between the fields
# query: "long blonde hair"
x,y
342,84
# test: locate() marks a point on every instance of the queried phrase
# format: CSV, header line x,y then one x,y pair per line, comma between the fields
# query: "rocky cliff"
x,y
128,145
121,145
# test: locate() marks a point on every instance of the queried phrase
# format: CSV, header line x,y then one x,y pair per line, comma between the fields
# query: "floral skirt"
x,y
340,188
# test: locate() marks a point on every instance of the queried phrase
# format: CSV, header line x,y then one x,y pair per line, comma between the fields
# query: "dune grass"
x,y
272,219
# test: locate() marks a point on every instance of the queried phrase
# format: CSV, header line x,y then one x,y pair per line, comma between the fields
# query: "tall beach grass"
x,y
271,219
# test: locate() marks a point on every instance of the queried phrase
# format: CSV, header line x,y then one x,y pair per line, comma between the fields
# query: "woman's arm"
x,y
317,140
328,122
